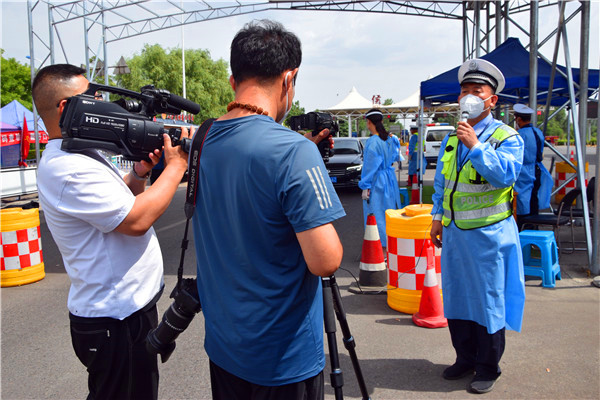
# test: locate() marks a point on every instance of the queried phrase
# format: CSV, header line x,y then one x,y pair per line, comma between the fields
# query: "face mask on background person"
x,y
472,105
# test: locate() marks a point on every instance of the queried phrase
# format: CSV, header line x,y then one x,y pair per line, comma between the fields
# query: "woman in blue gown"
x,y
378,179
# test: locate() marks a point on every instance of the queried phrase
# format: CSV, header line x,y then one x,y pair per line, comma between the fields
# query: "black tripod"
x,y
332,300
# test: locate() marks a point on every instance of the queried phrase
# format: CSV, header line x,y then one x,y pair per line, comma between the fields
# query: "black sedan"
x,y
345,165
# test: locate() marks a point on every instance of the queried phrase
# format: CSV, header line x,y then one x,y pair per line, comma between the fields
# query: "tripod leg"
x,y
337,377
349,342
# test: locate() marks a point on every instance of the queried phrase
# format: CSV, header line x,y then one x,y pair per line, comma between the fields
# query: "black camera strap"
x,y
192,186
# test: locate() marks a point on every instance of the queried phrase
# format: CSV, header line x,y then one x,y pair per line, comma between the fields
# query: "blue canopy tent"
x,y
513,60
13,114
10,145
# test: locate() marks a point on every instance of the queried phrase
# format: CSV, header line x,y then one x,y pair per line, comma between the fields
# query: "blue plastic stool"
x,y
404,197
546,266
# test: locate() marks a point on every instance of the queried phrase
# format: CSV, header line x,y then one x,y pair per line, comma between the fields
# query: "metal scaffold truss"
x,y
485,25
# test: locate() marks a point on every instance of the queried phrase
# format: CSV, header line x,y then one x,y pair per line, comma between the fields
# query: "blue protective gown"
x,y
482,269
378,175
524,183
412,150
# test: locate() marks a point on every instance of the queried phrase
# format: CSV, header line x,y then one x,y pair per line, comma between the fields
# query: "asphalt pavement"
x,y
556,356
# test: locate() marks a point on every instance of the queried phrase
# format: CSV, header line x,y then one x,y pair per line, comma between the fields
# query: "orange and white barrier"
x,y
21,259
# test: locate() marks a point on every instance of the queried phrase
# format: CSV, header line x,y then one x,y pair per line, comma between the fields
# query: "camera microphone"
x,y
184,104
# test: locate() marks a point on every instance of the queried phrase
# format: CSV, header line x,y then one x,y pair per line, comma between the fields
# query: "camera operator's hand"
x,y
176,155
152,203
143,168
317,138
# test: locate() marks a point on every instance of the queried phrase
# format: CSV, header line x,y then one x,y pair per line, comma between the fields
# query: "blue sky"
x,y
386,55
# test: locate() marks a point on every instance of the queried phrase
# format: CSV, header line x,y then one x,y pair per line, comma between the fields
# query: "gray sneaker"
x,y
482,386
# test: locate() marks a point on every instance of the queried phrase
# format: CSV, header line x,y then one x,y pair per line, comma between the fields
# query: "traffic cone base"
x,y
373,271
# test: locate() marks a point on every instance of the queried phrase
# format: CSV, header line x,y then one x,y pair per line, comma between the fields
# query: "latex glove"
x,y
365,194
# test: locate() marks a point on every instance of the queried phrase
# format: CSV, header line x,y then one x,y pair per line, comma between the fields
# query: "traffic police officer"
x,y
482,265
528,183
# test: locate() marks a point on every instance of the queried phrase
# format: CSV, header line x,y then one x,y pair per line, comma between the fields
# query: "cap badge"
x,y
473,66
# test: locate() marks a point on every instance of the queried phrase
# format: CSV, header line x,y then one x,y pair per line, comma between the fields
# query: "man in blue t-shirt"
x,y
263,232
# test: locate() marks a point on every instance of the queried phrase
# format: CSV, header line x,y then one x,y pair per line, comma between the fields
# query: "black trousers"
x,y
226,386
476,348
114,352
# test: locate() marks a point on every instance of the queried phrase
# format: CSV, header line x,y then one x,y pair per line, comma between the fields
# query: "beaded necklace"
x,y
249,107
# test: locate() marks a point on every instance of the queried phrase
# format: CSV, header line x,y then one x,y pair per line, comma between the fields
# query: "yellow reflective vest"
x,y
469,200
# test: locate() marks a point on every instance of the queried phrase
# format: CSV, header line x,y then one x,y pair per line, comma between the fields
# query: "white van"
x,y
434,134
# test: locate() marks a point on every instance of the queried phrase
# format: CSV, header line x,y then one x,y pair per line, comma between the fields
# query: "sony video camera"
x,y
124,126
176,319
316,122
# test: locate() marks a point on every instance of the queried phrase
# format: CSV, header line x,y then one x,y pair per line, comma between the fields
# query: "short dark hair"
x,y
51,85
58,72
264,49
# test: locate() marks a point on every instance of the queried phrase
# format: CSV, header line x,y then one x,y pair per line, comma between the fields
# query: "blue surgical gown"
x,y
412,150
379,175
482,269
524,183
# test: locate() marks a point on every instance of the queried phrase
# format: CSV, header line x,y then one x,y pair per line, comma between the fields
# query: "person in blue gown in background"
x,y
528,183
482,262
413,147
378,180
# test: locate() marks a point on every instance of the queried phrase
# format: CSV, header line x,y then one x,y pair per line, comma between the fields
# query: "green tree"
x,y
207,81
15,83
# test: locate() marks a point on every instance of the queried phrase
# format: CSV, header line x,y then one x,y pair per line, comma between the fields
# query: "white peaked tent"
x,y
411,102
353,105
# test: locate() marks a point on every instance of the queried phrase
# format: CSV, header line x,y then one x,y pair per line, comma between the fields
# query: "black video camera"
x,y
124,126
176,319
316,122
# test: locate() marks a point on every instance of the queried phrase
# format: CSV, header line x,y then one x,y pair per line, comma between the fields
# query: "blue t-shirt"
x,y
259,184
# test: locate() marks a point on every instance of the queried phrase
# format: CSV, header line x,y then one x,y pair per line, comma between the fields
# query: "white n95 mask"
x,y
472,105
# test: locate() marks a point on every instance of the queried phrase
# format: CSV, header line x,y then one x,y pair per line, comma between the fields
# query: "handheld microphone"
x,y
464,116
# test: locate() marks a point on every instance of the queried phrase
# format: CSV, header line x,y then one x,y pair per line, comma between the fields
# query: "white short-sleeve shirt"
x,y
83,201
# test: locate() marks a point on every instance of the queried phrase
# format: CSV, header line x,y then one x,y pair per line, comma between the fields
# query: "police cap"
x,y
481,71
522,109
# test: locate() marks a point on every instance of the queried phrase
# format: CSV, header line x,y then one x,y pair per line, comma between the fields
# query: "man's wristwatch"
x,y
139,178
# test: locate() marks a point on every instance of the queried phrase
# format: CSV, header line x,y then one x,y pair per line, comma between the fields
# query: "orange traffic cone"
x,y
373,272
572,156
431,311
414,190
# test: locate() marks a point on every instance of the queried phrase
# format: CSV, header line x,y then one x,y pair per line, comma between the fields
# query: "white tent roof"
x,y
352,102
411,101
